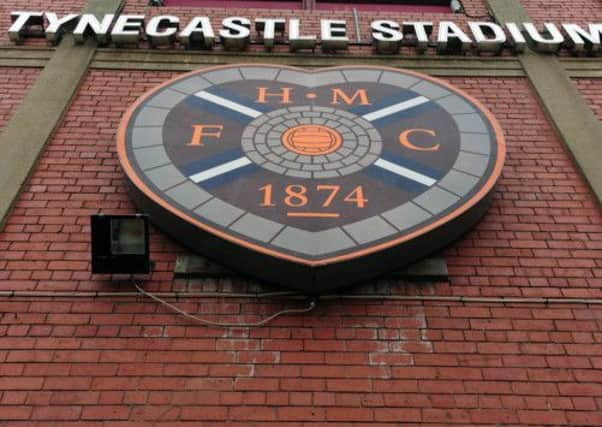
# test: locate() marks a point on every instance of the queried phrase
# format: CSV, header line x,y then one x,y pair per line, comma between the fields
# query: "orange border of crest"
x,y
141,185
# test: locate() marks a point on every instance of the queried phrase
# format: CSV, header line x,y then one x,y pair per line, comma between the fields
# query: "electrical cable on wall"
x,y
310,307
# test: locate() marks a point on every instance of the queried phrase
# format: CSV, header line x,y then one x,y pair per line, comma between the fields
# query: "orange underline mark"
x,y
313,215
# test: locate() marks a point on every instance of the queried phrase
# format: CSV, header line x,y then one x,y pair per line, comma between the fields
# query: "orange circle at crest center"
x,y
312,140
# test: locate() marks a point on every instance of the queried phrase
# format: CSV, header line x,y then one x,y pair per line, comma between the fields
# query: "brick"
x,y
20,412
584,403
583,389
67,383
255,384
494,416
301,414
10,397
498,348
173,383
252,414
349,385
443,386
279,371
209,384
395,386
155,413
56,413
445,416
104,412
488,387
191,370
114,383
349,414
397,415
535,389
71,397
21,383
505,374
542,417
301,384
38,398
213,413
584,418
568,362
454,347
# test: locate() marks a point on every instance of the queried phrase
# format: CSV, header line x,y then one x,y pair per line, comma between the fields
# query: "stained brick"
x,y
56,413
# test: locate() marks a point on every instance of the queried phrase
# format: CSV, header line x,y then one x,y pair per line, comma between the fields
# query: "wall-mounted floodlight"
x,y
120,244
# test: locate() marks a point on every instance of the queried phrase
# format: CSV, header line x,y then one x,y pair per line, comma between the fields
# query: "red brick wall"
x,y
122,360
381,363
559,11
591,90
46,237
369,362
14,85
542,236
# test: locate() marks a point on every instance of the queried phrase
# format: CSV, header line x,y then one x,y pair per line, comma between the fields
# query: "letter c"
x,y
404,140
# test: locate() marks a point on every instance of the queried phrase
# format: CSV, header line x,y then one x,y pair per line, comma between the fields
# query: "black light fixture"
x,y
120,244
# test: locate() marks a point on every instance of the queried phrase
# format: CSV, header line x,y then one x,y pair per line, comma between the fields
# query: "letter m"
x,y
339,95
